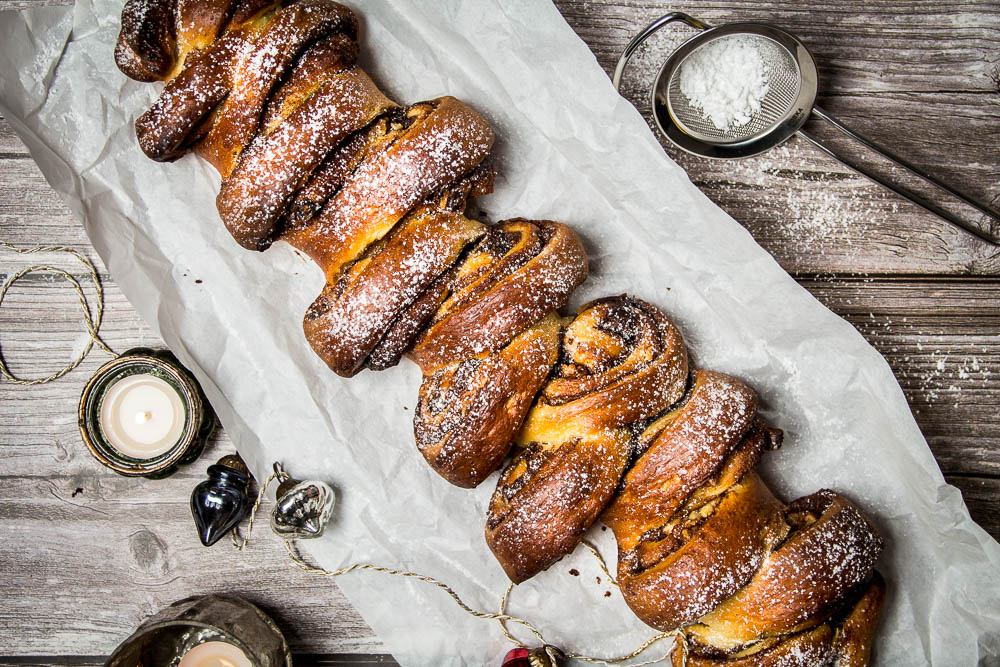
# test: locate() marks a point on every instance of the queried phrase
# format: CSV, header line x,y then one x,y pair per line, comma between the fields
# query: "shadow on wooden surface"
x,y
920,77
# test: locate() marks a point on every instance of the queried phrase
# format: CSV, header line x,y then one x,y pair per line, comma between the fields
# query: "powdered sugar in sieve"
x,y
726,80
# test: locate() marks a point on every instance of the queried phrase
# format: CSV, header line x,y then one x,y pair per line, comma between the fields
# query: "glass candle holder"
x,y
143,414
212,622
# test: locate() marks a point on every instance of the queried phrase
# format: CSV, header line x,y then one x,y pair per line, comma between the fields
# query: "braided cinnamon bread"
x,y
704,545
312,153
622,361
490,344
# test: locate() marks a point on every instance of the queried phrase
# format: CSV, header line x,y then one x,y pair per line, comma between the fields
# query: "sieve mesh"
x,y
783,88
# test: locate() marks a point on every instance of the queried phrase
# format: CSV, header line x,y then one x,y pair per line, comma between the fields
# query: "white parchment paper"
x,y
570,149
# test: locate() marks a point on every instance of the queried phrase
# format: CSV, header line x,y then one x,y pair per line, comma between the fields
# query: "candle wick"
x,y
141,417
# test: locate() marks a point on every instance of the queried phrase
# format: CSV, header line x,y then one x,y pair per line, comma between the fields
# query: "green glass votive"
x,y
143,414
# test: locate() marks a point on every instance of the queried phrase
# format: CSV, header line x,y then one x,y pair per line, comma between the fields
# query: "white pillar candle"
x,y
215,654
142,416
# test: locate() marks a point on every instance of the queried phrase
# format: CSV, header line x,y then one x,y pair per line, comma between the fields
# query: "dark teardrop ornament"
x,y
221,502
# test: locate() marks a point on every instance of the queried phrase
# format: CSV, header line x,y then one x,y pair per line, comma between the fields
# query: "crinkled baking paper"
x,y
569,148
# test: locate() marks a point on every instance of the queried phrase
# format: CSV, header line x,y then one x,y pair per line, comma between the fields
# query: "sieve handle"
x,y
985,209
646,33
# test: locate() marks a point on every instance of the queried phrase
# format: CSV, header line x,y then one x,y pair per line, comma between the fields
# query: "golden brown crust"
x,y
469,413
704,546
312,153
145,47
341,164
275,51
624,361
254,198
664,535
328,59
854,638
686,446
437,149
811,648
547,498
170,127
522,270
217,100
729,538
352,314
843,641
831,551
198,22
612,372
405,329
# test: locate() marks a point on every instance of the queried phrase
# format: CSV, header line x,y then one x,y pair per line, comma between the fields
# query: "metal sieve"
x,y
787,105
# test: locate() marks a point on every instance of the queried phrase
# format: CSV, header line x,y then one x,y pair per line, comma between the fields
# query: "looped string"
x,y
241,544
600,561
554,654
91,317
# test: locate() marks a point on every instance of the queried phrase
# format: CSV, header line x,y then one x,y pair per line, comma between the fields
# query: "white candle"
x,y
215,654
142,416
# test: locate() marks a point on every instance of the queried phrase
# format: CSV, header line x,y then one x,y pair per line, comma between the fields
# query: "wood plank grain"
x,y
29,4
139,533
46,464
938,106
940,336
816,216
885,72
80,571
981,496
64,512
942,339
106,551
860,46
808,210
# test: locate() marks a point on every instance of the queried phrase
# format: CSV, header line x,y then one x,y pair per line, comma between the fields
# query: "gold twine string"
x,y
502,617
241,544
92,317
600,561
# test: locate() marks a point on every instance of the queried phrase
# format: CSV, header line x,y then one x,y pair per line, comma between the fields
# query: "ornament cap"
x,y
235,462
286,485
285,481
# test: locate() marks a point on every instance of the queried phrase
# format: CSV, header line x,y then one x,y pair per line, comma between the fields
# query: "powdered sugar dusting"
x,y
437,150
229,100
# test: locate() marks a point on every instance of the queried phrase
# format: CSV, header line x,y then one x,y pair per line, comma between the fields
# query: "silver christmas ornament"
x,y
303,509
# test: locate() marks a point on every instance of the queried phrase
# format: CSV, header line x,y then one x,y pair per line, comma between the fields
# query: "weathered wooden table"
x,y
86,554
